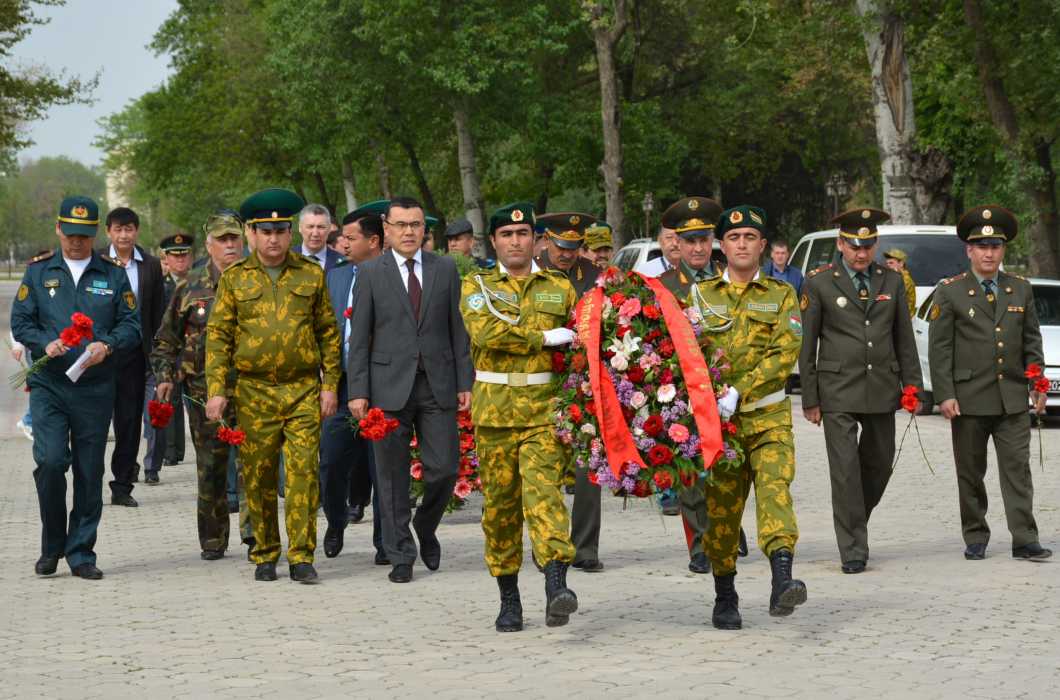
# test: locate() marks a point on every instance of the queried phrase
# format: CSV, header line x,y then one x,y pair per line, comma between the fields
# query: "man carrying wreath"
x,y
755,320
514,314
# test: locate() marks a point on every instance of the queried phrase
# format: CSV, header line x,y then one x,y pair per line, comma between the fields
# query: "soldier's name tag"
x,y
883,297
1016,309
51,284
548,298
475,302
101,284
99,291
752,306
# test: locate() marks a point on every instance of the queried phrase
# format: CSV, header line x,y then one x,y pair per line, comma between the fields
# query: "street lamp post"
x,y
648,205
836,187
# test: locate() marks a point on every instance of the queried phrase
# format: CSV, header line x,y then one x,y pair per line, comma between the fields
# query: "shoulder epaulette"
x,y
1019,277
112,261
822,268
953,279
43,256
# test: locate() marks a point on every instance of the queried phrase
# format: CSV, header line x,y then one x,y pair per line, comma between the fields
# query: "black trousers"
x,y
128,420
439,445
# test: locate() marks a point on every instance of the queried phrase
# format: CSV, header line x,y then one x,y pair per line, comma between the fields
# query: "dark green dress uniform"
x,y
692,218
72,415
981,344
858,352
567,230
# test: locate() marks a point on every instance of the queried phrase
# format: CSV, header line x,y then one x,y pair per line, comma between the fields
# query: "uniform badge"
x,y
987,214
548,298
796,324
863,231
841,302
756,218
735,217
693,204
51,293
48,284
130,300
178,239
804,302
935,311
865,213
517,215
79,212
988,229
23,292
575,220
201,311
971,313
475,302
883,297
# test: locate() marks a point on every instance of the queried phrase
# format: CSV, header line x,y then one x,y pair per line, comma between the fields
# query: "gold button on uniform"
x,y
997,329
1001,360
1000,344
870,343
870,366
868,322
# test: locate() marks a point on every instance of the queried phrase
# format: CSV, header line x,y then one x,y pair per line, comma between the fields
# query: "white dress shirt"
x,y
321,256
348,328
132,269
403,266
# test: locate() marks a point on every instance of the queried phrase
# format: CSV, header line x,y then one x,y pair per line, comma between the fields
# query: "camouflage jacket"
x,y
532,305
282,332
762,343
179,353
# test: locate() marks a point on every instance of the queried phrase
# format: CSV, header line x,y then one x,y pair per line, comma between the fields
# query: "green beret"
x,y
431,221
692,217
274,208
178,243
566,228
517,213
743,216
79,216
598,236
858,227
987,224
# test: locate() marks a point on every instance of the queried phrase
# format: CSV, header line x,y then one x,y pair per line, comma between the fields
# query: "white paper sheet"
x,y
79,367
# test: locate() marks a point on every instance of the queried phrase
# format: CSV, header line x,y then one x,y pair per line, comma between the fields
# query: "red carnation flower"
x,y
728,427
651,311
659,455
653,335
159,413
653,425
663,480
70,337
575,413
590,408
82,323
635,374
642,489
1041,385
559,362
688,478
348,313
617,298
622,331
910,402
1034,370
593,478
666,376
666,347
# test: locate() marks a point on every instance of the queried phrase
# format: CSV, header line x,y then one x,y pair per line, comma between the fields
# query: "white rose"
x,y
638,399
620,363
666,393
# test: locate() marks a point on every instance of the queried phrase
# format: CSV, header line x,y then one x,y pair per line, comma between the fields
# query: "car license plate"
x,y
1054,386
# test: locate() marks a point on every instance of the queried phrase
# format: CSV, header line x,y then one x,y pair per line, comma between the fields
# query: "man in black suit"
x,y
314,222
409,355
145,278
344,455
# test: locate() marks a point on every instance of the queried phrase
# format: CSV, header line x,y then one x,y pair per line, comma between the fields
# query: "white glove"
x,y
558,336
727,403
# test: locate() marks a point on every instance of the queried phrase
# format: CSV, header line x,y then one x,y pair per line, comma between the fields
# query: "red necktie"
x,y
414,288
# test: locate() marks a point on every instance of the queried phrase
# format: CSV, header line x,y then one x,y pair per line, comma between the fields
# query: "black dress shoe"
x,y
332,542
854,566
977,551
401,573
1032,551
589,566
699,564
211,554
741,550
381,559
671,508
430,552
87,571
233,507
304,573
118,499
151,478
265,571
46,566
355,512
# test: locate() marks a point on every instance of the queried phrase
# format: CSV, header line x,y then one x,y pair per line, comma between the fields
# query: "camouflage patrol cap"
x,y
598,236
223,222
517,213
692,217
566,228
896,254
989,224
743,216
858,227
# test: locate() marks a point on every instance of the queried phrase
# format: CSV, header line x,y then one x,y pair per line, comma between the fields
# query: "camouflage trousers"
x,y
274,417
770,465
522,472
211,465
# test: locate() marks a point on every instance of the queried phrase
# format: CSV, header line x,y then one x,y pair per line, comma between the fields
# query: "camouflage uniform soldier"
x,y
755,319
513,314
179,359
897,260
272,321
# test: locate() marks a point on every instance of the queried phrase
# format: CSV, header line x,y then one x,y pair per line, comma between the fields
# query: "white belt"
x,y
513,378
767,400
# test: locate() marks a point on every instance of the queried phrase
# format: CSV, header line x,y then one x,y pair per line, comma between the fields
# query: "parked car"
x,y
1046,305
639,251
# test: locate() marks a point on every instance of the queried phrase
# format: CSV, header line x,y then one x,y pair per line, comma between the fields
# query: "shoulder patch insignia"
x,y
23,292
953,279
804,302
476,301
130,300
819,270
934,312
796,324
111,260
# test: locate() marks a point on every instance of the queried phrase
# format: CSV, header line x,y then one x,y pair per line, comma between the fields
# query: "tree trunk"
x,y
421,178
349,184
322,190
606,35
382,169
473,205
546,171
1035,164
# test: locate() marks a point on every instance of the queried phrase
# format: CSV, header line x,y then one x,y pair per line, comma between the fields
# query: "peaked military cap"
x,y
177,244
459,228
79,216
598,236
566,228
743,216
376,208
517,213
858,227
987,224
223,222
692,217
274,208
430,222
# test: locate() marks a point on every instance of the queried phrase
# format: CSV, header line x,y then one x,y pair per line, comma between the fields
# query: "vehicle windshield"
x,y
1047,304
931,257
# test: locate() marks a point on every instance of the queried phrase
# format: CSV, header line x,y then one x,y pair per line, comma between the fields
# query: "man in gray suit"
x,y
857,353
409,355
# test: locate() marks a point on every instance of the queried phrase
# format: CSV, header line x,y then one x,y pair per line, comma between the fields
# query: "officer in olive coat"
x,y
980,381
857,354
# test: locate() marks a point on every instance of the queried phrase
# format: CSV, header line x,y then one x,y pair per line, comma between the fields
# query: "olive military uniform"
x,y
179,357
761,343
857,353
279,336
522,464
981,344
172,442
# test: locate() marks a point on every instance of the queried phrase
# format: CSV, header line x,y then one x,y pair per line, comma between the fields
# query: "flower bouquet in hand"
x,y
467,479
910,402
375,425
79,331
229,435
1039,384
160,413
636,404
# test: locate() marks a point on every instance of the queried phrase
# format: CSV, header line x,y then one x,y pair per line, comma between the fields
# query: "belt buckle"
x,y
518,379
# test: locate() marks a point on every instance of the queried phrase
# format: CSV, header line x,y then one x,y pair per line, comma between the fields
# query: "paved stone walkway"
x,y
921,623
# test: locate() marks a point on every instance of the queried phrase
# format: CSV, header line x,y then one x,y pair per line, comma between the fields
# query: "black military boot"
x,y
561,600
726,603
510,618
787,592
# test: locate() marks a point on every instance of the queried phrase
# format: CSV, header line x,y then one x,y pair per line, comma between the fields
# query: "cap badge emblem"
x,y
517,215
866,214
693,204
987,214
735,217
79,212
988,229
